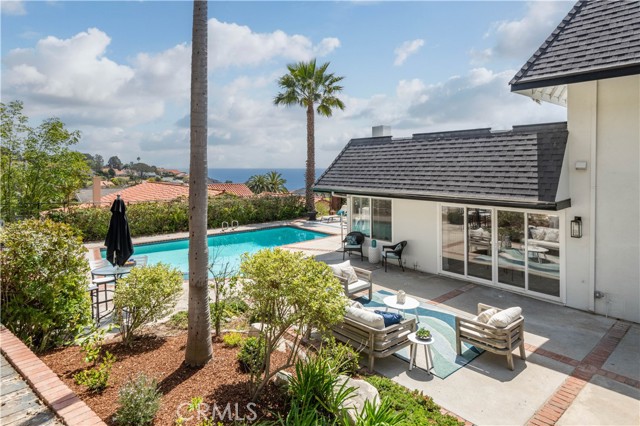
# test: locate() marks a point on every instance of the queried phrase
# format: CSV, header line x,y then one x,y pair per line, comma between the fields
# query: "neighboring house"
x,y
497,208
238,189
152,191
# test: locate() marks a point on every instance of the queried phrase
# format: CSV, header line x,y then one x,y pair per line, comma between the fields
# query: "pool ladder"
x,y
225,225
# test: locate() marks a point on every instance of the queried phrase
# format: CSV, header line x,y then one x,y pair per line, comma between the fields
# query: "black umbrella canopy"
x,y
118,242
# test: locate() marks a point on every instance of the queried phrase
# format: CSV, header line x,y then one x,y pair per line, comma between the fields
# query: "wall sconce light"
x,y
576,227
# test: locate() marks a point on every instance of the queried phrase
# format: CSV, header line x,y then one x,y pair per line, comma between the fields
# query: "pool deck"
x,y
581,368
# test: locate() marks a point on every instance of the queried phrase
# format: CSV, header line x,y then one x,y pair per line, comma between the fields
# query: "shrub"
x,y
179,320
344,359
139,401
419,409
145,295
161,218
96,378
43,282
379,415
233,339
252,355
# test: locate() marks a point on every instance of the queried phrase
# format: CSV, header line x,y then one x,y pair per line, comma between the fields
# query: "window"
x,y
372,217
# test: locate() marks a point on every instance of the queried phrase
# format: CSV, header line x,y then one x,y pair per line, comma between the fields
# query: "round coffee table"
x,y
535,252
409,303
426,344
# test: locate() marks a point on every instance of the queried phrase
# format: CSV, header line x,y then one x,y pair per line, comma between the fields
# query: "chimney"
x,y
380,131
97,191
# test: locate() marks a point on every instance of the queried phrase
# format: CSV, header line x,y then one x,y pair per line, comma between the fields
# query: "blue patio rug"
x,y
442,325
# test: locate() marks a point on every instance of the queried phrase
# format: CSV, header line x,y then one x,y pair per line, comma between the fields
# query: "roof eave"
x,y
578,77
460,199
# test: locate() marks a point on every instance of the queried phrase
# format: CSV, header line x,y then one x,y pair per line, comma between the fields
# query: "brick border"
x,y
590,365
46,384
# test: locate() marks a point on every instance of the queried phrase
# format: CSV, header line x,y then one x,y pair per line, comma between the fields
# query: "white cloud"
x,y
237,45
519,38
14,7
407,49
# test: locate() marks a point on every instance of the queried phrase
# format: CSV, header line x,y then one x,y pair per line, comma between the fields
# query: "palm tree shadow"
x,y
179,375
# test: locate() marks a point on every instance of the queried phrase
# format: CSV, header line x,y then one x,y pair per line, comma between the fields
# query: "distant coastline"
x,y
294,177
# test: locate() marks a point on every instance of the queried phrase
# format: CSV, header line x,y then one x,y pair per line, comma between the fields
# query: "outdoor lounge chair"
x,y
393,251
353,242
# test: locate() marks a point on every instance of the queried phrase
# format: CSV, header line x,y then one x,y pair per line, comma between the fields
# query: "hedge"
x,y
155,218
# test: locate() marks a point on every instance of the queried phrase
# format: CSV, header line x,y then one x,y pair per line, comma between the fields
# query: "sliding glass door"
x,y
509,249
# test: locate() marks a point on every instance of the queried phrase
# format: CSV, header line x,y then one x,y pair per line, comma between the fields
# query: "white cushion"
x,y
355,304
506,317
350,274
337,268
485,316
538,233
359,285
365,317
552,235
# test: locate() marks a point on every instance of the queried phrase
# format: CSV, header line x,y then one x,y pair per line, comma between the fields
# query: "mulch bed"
x,y
219,382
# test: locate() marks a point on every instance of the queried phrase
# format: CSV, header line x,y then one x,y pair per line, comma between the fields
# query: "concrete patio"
x,y
581,368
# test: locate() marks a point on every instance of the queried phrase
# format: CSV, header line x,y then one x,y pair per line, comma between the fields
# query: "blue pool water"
x,y
224,248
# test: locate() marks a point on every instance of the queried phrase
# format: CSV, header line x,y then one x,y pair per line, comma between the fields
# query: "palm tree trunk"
x,y
311,160
199,350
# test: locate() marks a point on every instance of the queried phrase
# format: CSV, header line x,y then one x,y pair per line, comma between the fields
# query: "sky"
x,y
120,72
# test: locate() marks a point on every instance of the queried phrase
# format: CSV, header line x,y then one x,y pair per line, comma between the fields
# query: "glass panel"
x,y
381,219
543,251
479,254
360,215
453,239
511,248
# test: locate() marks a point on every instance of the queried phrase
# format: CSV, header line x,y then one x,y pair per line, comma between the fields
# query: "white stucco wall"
x,y
417,223
604,129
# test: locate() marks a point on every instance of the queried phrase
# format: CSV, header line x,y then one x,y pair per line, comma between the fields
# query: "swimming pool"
x,y
224,248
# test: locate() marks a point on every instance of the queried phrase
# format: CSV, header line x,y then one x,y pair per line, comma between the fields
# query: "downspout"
x,y
592,207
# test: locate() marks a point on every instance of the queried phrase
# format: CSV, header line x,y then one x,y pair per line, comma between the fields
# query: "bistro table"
x,y
409,303
535,252
115,271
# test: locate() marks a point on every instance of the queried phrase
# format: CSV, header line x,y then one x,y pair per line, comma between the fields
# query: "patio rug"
x,y
442,325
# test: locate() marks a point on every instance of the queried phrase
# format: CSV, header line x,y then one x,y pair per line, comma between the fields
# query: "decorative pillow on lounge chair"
x,y
352,240
350,274
506,317
337,268
390,318
485,316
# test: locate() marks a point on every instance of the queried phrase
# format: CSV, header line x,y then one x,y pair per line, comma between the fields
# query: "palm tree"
x,y
307,85
275,182
199,350
257,184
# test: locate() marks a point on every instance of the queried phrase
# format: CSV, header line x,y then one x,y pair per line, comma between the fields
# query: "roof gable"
x,y
596,40
239,189
521,166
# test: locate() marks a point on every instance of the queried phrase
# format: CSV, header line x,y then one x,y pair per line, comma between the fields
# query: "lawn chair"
x,y
353,242
393,251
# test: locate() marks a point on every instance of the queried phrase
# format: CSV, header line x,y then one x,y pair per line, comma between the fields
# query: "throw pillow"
x,y
356,304
538,234
398,247
552,235
506,317
485,316
337,268
389,318
352,240
350,274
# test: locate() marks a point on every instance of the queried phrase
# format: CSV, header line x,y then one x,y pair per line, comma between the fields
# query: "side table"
x,y
374,254
426,344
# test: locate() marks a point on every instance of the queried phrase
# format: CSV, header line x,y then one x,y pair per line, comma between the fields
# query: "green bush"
x,y
179,320
96,378
379,415
145,295
233,339
418,408
45,301
251,355
162,218
342,358
139,401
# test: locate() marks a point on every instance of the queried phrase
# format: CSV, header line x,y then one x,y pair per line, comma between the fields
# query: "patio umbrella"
x,y
118,242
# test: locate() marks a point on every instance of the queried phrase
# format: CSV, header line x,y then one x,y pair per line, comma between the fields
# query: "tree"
x,y
199,349
275,182
111,173
289,292
115,163
257,184
39,170
307,85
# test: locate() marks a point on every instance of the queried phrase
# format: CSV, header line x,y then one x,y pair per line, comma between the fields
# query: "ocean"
x,y
294,177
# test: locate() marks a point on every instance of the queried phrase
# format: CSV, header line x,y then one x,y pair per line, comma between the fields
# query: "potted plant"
x,y
423,334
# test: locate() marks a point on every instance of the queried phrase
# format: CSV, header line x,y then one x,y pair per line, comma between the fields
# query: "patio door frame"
x,y
494,282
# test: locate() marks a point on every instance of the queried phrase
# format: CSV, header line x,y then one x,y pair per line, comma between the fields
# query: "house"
x,y
152,191
551,211
238,189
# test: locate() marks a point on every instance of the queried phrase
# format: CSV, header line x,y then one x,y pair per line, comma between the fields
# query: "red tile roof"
x,y
239,189
153,191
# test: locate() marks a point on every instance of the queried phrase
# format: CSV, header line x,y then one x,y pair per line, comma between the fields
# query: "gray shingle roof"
x,y
517,167
597,39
